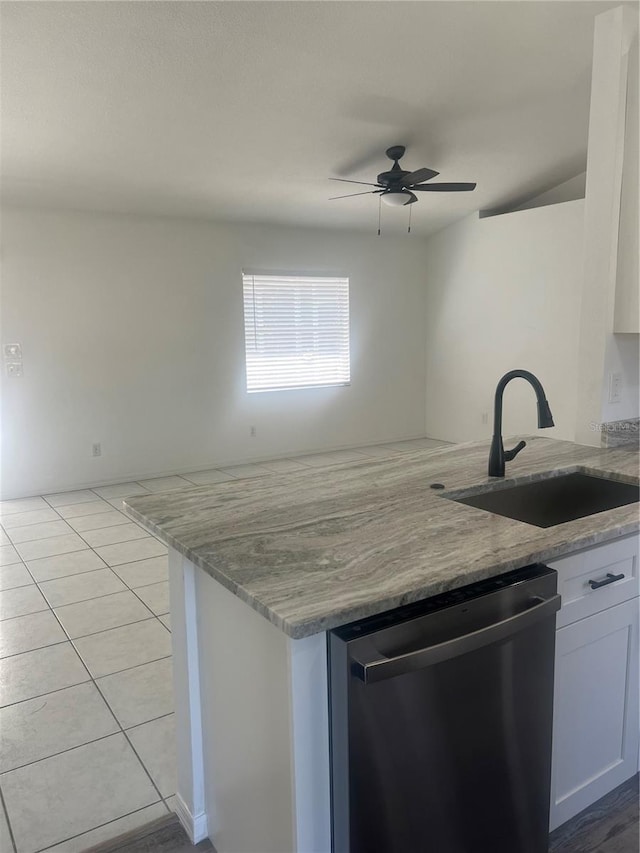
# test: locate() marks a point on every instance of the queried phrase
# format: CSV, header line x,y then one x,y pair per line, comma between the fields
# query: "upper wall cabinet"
x,y
627,303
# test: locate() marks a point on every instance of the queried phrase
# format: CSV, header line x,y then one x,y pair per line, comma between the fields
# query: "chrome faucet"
x,y
498,455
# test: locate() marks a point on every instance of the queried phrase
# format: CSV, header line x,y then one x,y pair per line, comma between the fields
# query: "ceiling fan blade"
x,y
418,176
445,188
347,181
351,195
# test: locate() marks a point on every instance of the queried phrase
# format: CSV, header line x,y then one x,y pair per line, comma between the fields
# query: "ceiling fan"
x,y
397,187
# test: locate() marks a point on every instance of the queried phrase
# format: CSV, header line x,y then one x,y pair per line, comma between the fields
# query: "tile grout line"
x,y
75,550
6,815
9,588
48,693
79,503
88,571
31,613
90,678
157,615
93,597
150,535
37,649
91,633
38,538
62,577
127,668
87,742
148,618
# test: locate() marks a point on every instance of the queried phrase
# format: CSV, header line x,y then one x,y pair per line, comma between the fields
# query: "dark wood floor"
x,y
164,835
609,826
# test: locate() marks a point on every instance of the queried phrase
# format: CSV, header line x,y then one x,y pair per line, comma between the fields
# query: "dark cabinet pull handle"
x,y
609,579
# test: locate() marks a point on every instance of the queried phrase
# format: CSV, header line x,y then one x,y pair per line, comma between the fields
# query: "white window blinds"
x,y
296,331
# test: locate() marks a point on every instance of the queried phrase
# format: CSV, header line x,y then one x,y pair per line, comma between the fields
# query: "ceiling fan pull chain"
x,y
379,213
409,228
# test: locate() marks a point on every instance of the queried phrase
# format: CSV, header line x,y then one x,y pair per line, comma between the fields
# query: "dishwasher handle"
x,y
372,666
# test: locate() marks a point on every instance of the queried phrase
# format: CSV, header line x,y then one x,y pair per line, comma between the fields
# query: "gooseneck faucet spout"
x,y
498,455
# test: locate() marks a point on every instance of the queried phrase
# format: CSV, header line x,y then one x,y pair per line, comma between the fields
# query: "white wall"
x,y
132,335
502,293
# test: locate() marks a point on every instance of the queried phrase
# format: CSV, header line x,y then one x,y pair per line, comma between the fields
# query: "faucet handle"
x,y
511,454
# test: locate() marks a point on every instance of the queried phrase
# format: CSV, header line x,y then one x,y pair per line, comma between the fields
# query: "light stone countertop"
x,y
315,549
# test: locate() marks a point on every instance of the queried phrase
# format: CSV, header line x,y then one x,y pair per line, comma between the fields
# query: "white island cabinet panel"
x,y
252,722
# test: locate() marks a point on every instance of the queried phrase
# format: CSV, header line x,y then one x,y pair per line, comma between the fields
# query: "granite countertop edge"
x,y
298,630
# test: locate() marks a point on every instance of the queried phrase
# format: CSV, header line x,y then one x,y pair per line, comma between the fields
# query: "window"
x,y
296,331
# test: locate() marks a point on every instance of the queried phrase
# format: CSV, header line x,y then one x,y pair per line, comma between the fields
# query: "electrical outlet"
x,y
13,352
615,387
14,369
485,417
252,431
96,449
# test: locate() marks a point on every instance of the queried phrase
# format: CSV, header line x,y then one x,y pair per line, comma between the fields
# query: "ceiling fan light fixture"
x,y
397,198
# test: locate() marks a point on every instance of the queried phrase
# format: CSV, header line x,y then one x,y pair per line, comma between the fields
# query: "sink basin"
x,y
555,499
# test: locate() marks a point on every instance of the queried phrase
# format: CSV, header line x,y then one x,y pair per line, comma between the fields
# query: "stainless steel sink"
x,y
555,498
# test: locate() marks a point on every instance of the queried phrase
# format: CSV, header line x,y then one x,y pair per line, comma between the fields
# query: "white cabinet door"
x,y
595,726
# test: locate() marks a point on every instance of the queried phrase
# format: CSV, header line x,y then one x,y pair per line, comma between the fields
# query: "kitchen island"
x,y
261,569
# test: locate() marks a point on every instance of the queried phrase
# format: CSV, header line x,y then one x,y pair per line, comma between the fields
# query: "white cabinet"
x,y
596,722
627,309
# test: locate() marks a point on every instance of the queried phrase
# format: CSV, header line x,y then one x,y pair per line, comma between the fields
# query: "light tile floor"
x,y
87,746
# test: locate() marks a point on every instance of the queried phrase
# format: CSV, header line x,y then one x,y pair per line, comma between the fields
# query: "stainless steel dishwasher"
x,y
441,720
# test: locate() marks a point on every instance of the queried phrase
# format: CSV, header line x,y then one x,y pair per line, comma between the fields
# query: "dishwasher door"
x,y
441,721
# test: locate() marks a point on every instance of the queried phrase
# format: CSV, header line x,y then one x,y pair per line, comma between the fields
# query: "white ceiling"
x,y
242,110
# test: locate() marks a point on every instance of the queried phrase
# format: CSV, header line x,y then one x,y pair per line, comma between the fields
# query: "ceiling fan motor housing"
x,y
396,173
394,176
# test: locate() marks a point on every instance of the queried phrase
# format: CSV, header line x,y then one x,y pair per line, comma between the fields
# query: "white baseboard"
x,y
194,825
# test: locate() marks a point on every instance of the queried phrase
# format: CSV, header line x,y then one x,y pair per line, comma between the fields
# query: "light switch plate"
x,y
13,352
14,369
